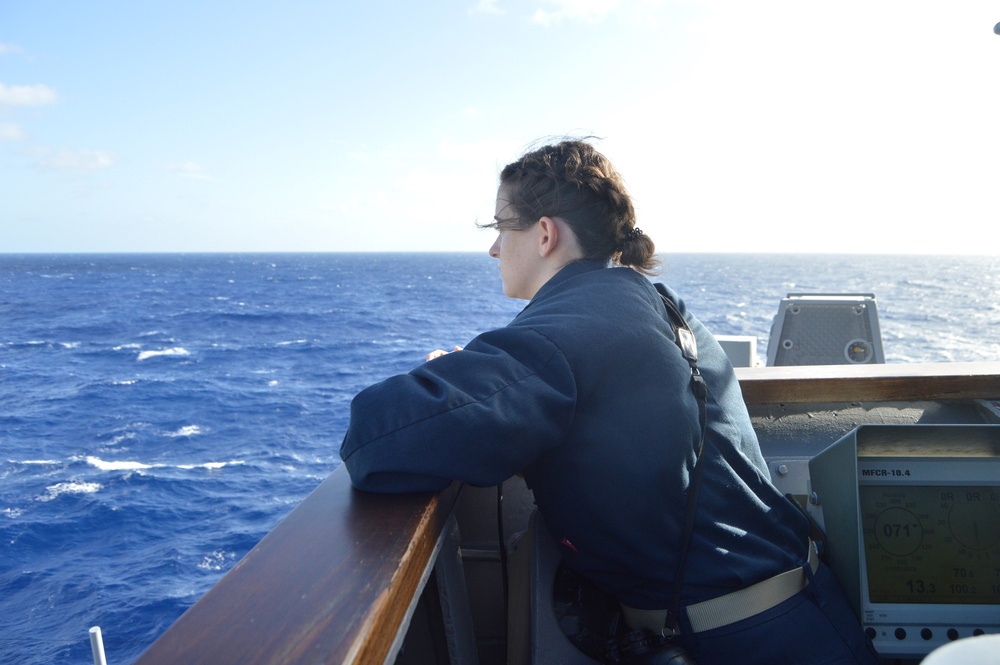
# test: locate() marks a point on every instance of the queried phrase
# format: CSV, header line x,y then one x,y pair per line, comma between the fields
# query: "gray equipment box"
x,y
826,329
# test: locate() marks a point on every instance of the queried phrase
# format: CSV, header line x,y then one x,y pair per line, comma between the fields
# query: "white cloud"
x,y
75,160
407,205
461,154
9,48
189,170
11,132
591,11
787,116
26,95
486,7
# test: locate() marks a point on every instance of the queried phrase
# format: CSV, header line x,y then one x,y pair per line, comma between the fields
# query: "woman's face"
x,y
517,251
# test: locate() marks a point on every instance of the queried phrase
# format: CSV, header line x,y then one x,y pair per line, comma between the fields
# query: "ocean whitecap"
x,y
123,465
70,487
187,430
211,466
118,439
175,351
217,560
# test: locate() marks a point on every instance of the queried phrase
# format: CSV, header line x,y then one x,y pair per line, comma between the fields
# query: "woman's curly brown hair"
x,y
573,181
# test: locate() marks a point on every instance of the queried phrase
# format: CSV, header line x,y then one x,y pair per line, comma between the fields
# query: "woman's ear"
x,y
548,236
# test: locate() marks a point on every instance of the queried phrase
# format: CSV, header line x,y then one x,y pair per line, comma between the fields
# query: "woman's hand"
x,y
437,353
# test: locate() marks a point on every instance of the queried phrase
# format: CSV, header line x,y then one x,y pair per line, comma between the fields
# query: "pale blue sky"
x,y
148,125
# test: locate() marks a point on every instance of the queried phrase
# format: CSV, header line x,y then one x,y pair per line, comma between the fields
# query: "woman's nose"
x,y
495,248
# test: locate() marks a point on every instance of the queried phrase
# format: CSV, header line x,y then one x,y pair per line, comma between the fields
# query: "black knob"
x,y
926,633
900,634
952,634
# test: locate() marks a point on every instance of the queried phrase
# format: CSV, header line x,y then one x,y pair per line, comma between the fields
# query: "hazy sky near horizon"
x,y
308,125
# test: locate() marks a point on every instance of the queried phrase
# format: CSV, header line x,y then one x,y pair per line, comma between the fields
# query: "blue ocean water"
x,y
161,413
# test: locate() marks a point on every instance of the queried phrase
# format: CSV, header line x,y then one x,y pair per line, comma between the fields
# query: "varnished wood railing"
x,y
870,383
332,583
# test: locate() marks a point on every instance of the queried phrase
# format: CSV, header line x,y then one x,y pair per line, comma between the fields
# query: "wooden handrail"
x,y
869,383
331,583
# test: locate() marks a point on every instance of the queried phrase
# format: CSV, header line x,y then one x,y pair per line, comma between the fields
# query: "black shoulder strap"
x,y
689,349
685,339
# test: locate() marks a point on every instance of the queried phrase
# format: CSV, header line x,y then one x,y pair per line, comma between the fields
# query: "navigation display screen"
x,y
931,544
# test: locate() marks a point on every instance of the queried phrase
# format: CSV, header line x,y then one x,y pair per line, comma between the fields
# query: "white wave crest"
x,y
211,466
175,351
217,560
125,465
117,466
71,487
120,438
187,430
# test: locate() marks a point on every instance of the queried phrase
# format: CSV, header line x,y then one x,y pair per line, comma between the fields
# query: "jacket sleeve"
x,y
479,415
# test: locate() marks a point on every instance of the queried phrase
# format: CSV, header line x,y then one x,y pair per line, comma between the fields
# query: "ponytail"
x,y
637,251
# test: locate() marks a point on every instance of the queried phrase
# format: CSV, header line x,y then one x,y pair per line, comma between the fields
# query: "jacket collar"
x,y
572,269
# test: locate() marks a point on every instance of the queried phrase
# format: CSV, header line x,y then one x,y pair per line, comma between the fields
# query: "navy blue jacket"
x,y
586,394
